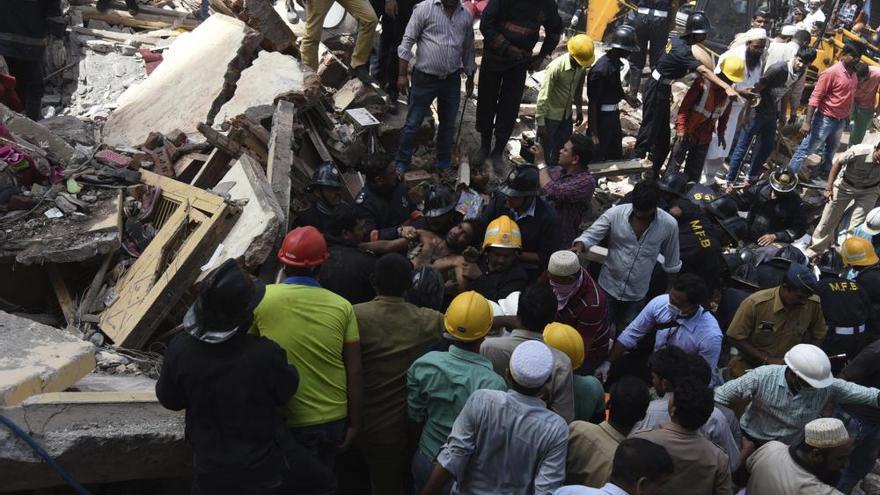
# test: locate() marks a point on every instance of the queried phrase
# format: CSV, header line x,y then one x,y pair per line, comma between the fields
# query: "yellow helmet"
x,y
565,338
469,317
858,252
503,233
734,68
580,46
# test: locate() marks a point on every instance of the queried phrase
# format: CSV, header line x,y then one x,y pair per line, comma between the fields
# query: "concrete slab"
x,y
272,75
98,437
36,358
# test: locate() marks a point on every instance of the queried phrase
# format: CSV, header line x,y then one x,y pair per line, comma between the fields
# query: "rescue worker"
x,y
319,332
510,32
326,190
439,211
705,107
24,27
776,212
501,271
847,310
348,270
677,62
563,85
858,255
538,222
589,395
651,22
215,365
439,383
771,321
604,92
388,210
854,177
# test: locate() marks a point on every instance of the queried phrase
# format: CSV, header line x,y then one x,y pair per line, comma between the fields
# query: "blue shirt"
x,y
608,489
698,334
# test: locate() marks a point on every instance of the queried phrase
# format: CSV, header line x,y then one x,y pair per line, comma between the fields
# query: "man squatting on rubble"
x,y
479,364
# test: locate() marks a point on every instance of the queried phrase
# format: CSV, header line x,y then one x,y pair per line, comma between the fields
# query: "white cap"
x,y
826,433
872,222
564,264
531,364
788,30
811,364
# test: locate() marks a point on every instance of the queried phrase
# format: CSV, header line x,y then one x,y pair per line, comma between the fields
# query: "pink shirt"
x,y
834,92
866,92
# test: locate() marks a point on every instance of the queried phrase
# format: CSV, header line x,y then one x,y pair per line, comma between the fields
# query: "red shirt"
x,y
586,312
866,92
834,92
702,108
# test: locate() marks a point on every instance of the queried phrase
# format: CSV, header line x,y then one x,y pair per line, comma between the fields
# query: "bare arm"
x,y
439,478
711,76
351,355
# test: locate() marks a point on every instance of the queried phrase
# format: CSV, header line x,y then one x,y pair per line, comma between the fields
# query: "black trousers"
x,y
654,134
393,29
692,154
610,137
649,30
28,76
498,100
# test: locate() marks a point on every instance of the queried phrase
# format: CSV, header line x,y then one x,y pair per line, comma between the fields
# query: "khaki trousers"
x,y
316,11
842,194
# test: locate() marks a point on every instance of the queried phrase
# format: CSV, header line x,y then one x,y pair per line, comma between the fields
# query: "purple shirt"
x,y
571,195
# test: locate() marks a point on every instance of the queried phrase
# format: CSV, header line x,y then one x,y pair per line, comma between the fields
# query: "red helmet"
x,y
303,247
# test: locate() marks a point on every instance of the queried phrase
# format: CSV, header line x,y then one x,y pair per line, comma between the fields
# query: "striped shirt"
x,y
445,44
774,413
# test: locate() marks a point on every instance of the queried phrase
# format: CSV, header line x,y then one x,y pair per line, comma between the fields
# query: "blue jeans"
x,y
823,130
764,127
322,443
425,88
557,133
866,447
622,313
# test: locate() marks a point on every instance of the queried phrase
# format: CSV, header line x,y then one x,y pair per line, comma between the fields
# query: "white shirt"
x,y
774,472
608,489
780,52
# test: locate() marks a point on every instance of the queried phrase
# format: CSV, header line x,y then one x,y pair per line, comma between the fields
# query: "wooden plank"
x,y
179,191
213,170
618,167
140,21
278,168
115,36
277,35
62,293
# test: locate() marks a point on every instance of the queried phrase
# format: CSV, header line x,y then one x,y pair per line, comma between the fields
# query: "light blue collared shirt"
x,y
608,489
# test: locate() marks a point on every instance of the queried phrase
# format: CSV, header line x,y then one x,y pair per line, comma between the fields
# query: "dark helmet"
x,y
624,38
521,182
697,23
438,201
327,175
761,12
427,288
225,304
790,254
723,207
783,180
674,183
830,262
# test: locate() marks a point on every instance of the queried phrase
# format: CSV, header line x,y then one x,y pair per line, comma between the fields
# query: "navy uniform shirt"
x,y
782,215
677,61
541,230
698,244
314,216
347,272
603,82
383,214
663,5
495,286
844,303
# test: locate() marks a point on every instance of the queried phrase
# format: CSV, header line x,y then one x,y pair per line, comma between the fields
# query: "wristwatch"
x,y
542,166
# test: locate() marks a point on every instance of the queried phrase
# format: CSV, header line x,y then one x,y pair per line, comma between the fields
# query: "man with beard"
x,y
775,82
384,201
830,105
749,46
676,63
812,465
326,187
348,270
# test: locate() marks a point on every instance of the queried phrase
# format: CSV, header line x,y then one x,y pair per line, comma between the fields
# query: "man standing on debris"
x,y
394,333
511,29
319,332
384,201
316,11
326,188
864,101
444,32
859,183
651,22
563,85
506,442
704,108
570,186
604,92
637,233
232,385
677,62
24,27
830,105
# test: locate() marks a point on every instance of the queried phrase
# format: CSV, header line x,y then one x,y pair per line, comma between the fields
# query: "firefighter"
x,y
651,23
326,187
678,60
776,212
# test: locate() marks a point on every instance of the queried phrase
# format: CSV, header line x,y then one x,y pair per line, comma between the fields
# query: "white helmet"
x,y
810,363
872,222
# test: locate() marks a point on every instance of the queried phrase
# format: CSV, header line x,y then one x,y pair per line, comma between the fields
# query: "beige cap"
x,y
825,433
564,264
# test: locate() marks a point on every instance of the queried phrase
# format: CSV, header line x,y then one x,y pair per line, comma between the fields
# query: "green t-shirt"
x,y
311,324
